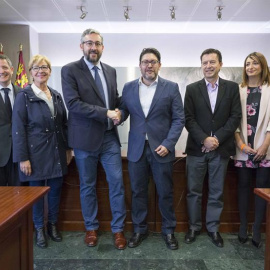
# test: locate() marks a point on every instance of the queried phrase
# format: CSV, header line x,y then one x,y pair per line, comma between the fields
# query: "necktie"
x,y
99,83
101,91
7,102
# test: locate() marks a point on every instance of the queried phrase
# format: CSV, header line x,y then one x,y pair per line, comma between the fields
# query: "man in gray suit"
x,y
91,96
8,169
213,112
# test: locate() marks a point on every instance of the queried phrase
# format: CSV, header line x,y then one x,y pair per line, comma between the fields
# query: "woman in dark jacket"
x,y
39,131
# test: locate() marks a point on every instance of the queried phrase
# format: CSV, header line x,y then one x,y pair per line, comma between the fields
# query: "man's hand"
x,y
162,151
114,115
210,144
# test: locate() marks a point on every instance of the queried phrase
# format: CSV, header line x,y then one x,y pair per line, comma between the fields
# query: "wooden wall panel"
x,y
70,211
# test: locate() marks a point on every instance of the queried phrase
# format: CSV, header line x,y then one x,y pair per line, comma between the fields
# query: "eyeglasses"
x,y
43,68
90,43
146,62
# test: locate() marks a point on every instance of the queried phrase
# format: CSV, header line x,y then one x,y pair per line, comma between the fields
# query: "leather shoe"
x,y
216,239
53,232
136,239
190,237
120,241
41,240
170,241
256,244
242,240
91,238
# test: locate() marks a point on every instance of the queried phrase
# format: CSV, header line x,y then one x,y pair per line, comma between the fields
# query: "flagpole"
x,y
20,47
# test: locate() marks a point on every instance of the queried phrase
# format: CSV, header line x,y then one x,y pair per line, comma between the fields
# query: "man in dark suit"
x,y
156,121
91,96
8,169
213,112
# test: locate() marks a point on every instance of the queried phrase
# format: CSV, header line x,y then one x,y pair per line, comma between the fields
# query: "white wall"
x,y
177,50
34,41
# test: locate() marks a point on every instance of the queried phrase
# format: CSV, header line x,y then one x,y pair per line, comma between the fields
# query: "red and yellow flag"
x,y
21,77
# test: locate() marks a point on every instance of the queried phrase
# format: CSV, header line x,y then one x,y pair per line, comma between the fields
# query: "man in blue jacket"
x,y
91,96
156,121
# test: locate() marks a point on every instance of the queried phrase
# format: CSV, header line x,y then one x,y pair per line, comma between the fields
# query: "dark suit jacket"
x,y
202,123
163,124
5,131
87,119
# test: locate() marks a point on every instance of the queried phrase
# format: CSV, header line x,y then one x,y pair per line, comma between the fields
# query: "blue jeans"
x,y
54,197
110,157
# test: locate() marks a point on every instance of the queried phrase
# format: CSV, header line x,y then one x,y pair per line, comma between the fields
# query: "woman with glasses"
x,y
253,140
40,144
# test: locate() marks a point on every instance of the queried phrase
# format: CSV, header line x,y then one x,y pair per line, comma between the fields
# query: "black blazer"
x,y
202,123
87,118
5,130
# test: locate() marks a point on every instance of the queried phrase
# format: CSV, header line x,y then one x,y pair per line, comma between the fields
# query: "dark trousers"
x,y
197,168
262,178
9,174
139,177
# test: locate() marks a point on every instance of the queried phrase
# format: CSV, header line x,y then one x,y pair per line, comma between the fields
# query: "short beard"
x,y
87,56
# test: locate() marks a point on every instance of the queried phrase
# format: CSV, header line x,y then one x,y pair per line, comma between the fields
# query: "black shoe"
x,y
41,240
53,232
170,241
216,239
242,240
136,239
256,244
190,236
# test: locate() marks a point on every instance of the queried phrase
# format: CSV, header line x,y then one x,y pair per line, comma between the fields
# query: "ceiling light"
x,y
84,12
172,9
126,12
219,12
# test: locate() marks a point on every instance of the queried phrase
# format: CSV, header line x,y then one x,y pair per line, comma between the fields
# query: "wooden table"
x,y
16,226
265,194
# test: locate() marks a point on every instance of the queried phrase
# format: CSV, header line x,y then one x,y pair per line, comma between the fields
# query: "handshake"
x,y
114,115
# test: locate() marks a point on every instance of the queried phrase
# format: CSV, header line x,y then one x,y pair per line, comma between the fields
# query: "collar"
x,y
90,65
36,90
216,83
9,86
140,82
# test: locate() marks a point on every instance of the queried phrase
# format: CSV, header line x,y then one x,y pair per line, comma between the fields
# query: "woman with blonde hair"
x,y
253,139
40,147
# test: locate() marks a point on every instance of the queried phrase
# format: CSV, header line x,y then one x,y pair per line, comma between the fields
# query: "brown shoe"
x,y
91,238
120,241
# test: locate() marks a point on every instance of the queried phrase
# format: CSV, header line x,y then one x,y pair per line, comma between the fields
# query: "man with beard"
x,y
156,122
8,169
91,96
213,113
